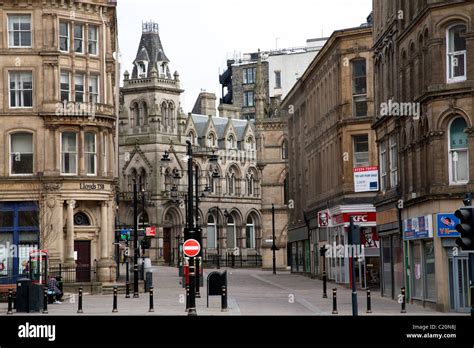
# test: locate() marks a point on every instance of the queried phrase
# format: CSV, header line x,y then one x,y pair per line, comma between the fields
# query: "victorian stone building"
x,y
333,157
57,133
154,127
423,69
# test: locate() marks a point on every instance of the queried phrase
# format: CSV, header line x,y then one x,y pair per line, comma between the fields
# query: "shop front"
x,y
338,254
299,244
418,233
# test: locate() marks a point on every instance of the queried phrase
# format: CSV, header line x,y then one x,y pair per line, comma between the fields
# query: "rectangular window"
x,y
359,88
92,40
250,237
361,151
249,75
21,89
19,31
79,38
211,236
90,153
64,36
79,88
65,86
94,89
248,99
383,166
393,161
69,153
277,79
21,153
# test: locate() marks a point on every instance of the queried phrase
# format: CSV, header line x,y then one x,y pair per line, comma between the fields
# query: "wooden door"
x,y
83,262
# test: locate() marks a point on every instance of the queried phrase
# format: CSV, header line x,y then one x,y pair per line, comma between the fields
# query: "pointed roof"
x,y
150,48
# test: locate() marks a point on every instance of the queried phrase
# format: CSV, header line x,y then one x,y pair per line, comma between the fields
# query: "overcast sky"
x,y
199,35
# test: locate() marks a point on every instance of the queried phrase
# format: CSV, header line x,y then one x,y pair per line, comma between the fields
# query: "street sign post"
x,y
151,232
191,248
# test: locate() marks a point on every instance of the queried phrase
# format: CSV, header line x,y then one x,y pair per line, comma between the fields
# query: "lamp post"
x,y
135,240
274,248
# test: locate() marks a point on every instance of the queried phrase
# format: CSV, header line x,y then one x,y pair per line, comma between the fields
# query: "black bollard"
x,y
334,301
369,302
127,290
403,301
14,300
115,310
151,300
45,300
187,298
10,301
224,298
325,295
79,303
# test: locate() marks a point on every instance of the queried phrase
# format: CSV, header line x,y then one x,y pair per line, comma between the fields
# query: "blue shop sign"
x,y
446,224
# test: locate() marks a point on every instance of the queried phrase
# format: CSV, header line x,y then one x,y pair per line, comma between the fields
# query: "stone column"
x,y
103,230
70,232
101,151
80,152
56,135
110,154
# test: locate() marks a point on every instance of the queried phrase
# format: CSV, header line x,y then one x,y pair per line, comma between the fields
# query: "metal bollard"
x,y
224,298
334,301
369,302
151,300
45,300
14,300
10,301
115,310
325,295
403,301
127,290
187,298
79,304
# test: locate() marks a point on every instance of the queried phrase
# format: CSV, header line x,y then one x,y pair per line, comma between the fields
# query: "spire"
x,y
150,53
259,90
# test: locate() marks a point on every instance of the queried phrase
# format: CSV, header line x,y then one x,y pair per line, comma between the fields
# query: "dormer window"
x,y
211,140
231,142
142,69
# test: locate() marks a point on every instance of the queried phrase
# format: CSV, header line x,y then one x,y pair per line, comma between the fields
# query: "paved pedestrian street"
x,y
250,292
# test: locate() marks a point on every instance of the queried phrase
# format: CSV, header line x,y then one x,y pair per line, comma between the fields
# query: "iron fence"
x,y
233,261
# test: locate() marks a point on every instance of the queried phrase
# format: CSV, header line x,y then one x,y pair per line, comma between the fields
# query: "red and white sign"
x,y
324,218
358,218
191,248
150,231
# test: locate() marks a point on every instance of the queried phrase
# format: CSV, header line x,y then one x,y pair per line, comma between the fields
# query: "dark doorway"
x,y
83,262
167,245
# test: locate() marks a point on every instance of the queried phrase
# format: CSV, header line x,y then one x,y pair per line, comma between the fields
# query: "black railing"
x,y
233,261
72,274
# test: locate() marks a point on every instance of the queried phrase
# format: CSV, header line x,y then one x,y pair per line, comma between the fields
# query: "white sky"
x,y
199,35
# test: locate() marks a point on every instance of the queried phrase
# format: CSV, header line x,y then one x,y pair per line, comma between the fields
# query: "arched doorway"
x,y
172,236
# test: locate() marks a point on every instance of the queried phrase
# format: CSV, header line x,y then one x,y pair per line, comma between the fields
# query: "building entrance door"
x,y
167,245
83,261
459,283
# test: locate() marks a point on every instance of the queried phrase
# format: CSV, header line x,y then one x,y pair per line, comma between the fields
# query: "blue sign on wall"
x,y
446,224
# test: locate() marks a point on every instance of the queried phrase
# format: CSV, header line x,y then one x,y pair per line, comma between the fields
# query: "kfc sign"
x,y
323,219
359,218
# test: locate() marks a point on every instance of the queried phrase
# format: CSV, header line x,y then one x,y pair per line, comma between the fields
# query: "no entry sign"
x,y
191,248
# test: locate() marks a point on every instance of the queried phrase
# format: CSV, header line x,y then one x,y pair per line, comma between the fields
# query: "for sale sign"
x,y
366,179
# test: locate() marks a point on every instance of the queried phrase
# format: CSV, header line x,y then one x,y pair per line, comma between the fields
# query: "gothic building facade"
x,y
153,126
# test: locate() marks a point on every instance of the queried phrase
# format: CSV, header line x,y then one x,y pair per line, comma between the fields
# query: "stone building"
x,y
58,133
423,83
153,125
330,111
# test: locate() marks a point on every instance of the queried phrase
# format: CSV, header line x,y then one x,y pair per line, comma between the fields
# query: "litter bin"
x,y
36,297
22,295
148,281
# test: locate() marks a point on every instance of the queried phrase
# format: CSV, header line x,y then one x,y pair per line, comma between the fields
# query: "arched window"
x,y
21,153
231,235
164,115
211,232
81,219
231,182
171,116
211,140
458,152
284,149
143,220
168,180
250,233
250,144
142,180
231,142
456,53
251,182
192,138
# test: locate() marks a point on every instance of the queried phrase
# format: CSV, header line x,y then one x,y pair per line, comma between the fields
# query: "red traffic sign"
x,y
151,231
191,248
